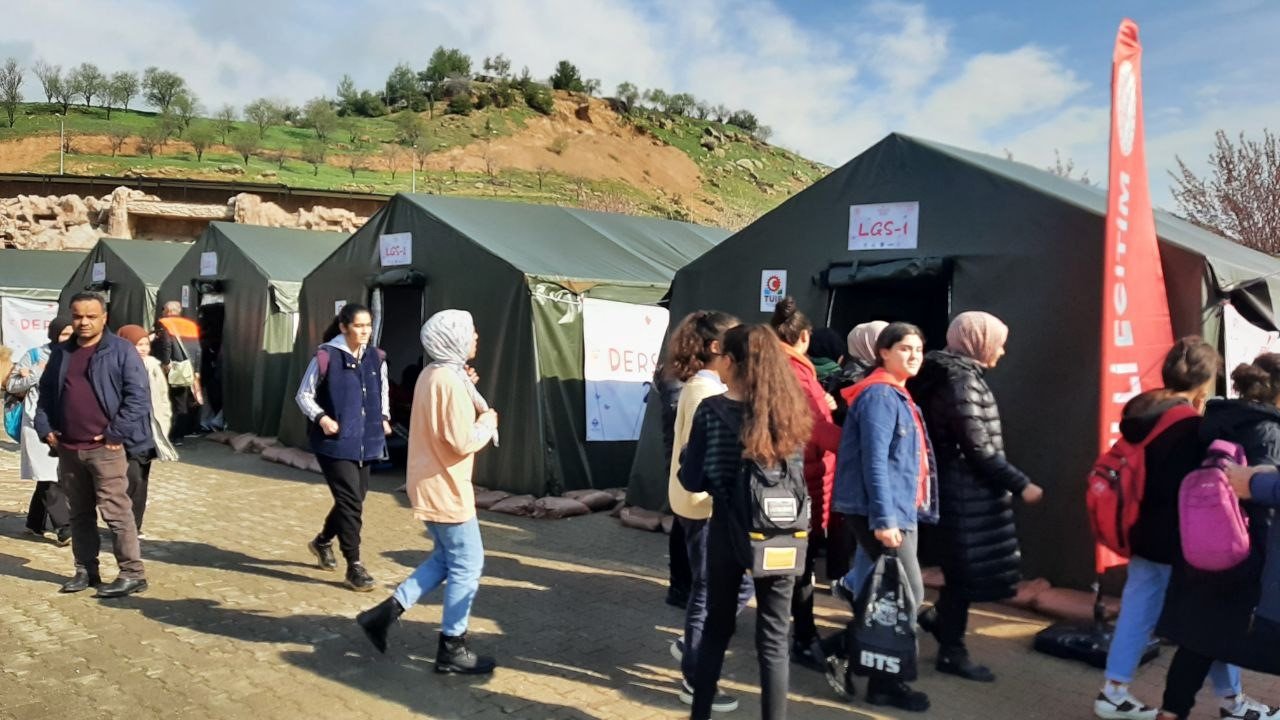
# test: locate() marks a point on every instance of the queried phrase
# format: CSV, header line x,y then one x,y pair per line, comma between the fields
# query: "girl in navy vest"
x,y
344,394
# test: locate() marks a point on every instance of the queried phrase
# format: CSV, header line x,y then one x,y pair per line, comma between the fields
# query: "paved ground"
x,y
237,624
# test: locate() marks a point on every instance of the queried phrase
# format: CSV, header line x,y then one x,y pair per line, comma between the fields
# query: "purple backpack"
x,y
1215,530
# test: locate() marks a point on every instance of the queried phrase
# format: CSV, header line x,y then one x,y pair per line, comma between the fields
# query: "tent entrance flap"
x,y
917,291
210,319
398,317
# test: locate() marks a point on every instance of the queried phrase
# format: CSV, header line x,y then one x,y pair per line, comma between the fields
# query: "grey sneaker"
x,y
721,703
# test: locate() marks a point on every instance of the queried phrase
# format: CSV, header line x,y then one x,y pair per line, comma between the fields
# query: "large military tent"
x,y
241,284
30,281
129,273
992,235
524,272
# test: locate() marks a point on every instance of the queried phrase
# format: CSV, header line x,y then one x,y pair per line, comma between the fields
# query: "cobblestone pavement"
x,y
238,624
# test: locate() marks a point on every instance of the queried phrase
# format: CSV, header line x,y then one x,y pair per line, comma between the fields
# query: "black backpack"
x,y
777,505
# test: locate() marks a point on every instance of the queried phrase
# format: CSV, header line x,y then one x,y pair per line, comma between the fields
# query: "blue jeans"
x,y
695,614
458,557
1140,608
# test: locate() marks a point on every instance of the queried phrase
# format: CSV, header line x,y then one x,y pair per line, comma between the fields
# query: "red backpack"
x,y
1117,482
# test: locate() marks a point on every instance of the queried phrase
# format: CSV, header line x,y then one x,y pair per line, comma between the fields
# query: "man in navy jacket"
x,y
94,410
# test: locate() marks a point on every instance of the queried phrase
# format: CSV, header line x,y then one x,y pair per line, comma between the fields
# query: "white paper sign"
x,y
620,342
186,296
396,249
884,226
773,287
208,264
99,272
24,324
338,305
1243,341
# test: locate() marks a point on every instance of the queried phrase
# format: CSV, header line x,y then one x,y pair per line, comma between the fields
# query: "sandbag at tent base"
x,y
1087,643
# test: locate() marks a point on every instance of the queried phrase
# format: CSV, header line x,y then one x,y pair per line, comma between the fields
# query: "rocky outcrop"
x,y
72,222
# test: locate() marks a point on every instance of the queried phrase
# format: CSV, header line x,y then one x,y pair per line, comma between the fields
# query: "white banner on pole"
x,y
25,322
621,343
1243,341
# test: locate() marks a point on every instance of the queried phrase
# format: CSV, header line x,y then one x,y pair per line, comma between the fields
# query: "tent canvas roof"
x,y
281,254
1231,262
575,244
23,272
151,260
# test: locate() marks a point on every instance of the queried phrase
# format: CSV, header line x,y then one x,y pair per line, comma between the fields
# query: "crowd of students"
x,y
892,439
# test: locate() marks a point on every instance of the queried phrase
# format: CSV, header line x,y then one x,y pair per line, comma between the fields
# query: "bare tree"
x,y
421,152
86,80
1240,198
356,160
1063,168
117,136
64,94
187,106
50,76
264,113
393,157
10,88
124,87
542,172
201,136
313,151
245,144
153,139
225,121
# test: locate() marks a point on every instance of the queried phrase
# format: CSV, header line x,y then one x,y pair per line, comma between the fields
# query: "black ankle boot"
x,y
377,620
928,621
956,661
453,655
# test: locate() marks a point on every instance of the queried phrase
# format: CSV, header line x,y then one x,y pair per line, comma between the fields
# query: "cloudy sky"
x,y
830,77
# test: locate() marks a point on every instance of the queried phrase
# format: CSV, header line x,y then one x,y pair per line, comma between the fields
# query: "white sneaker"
x,y
677,649
1124,707
1246,708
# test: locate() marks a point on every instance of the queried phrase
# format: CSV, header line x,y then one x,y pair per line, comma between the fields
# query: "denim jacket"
x,y
878,464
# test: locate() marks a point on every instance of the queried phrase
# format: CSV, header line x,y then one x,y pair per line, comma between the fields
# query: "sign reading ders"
x,y
884,226
396,249
773,287
621,343
25,323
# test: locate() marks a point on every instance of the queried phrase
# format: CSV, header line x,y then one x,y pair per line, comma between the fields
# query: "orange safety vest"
x,y
181,327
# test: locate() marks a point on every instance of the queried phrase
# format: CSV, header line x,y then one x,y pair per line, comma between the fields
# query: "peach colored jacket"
x,y
444,436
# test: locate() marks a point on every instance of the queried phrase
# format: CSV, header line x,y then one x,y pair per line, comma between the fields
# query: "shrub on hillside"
x,y
538,97
745,120
460,105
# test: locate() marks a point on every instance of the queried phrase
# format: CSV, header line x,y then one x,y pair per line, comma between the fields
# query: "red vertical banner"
x,y
1136,330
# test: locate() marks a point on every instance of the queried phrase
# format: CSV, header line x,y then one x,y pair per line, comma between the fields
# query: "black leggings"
x,y
48,509
349,483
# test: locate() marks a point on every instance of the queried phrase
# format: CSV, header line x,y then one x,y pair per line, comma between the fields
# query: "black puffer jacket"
x,y
975,481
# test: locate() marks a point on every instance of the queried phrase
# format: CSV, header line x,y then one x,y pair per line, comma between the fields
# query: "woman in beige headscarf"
x,y
976,484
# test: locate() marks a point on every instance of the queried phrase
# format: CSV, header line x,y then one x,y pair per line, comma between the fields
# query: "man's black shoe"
x,y
358,578
82,580
324,555
809,654
64,537
956,661
121,587
896,693
677,598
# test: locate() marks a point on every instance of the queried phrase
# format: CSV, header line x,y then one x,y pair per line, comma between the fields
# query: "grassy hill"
x,y
580,154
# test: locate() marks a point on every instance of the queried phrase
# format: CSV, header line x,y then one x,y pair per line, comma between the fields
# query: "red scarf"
x,y
880,376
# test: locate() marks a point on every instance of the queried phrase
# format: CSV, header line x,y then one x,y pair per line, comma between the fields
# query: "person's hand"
x,y
328,425
889,537
475,376
52,439
26,372
108,445
199,397
386,427
831,402
1032,494
1240,475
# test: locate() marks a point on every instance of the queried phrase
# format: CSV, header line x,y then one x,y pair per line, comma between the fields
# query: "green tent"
x,y
993,235
129,272
241,283
522,271
30,281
